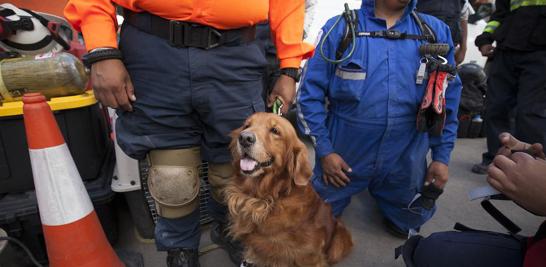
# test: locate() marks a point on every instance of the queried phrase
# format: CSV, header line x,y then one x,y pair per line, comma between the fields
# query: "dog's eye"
x,y
246,126
275,131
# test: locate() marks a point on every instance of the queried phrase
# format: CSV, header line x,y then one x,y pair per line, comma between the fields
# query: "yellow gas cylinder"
x,y
52,74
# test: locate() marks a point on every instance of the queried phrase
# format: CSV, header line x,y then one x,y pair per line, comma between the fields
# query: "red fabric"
x,y
535,256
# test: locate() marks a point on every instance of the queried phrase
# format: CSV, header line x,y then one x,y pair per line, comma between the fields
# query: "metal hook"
x,y
443,59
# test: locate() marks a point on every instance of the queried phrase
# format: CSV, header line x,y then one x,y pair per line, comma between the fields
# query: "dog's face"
x,y
268,144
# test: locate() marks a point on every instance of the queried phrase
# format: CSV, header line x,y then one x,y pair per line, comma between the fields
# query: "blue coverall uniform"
x,y
370,119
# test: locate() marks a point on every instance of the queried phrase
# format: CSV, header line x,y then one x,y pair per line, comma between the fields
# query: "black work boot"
x,y
219,235
184,257
395,230
480,168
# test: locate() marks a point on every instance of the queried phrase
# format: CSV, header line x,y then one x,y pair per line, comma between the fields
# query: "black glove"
x,y
429,195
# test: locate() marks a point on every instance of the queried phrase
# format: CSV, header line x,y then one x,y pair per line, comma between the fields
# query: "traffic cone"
x,y
72,231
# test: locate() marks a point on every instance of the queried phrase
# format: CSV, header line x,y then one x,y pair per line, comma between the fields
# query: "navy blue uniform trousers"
x,y
187,97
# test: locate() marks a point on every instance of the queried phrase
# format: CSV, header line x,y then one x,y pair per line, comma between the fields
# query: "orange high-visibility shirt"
x,y
96,19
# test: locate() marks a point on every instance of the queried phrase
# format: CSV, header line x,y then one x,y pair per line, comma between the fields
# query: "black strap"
x,y
24,22
463,228
408,250
187,34
393,35
99,55
344,44
427,32
499,217
30,47
54,32
350,17
425,28
6,12
541,233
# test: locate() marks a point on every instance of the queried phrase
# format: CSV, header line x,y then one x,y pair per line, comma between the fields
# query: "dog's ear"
x,y
298,165
233,144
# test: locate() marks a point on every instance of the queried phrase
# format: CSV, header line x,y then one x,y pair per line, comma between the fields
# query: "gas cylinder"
x,y
52,74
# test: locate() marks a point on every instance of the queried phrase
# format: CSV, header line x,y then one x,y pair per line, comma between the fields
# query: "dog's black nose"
x,y
247,138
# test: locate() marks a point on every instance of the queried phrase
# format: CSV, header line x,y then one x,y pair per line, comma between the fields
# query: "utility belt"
x,y
189,34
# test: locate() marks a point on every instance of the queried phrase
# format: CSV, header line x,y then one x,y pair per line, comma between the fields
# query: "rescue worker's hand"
x,y
334,169
460,54
285,89
511,144
521,178
112,84
487,50
437,173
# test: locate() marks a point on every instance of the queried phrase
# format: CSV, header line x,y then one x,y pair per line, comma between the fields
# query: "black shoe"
x,y
219,235
395,230
184,257
480,168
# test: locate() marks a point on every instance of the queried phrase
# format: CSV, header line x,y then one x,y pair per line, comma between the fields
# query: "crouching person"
x,y
368,135
522,178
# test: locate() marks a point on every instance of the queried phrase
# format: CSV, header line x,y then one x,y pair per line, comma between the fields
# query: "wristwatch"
x,y
294,73
101,54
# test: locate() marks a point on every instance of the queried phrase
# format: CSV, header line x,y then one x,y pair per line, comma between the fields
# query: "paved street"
x,y
373,246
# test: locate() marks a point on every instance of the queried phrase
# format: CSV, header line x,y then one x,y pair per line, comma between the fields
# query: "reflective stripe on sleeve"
x,y
491,26
515,4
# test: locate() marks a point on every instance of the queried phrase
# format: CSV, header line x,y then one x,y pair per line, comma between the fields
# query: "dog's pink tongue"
x,y
247,164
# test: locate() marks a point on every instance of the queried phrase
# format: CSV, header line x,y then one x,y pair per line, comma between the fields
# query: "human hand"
x,y
522,178
112,84
437,173
487,50
460,54
334,170
285,89
510,144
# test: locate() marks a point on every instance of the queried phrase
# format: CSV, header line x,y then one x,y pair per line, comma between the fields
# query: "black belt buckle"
x,y
213,38
392,34
183,34
176,31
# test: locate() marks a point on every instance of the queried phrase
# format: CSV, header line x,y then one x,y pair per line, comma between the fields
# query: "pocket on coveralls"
x,y
348,82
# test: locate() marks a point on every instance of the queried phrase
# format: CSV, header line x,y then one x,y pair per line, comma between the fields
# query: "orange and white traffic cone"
x,y
73,234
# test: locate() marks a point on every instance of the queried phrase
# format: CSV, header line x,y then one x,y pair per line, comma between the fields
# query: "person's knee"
x,y
173,181
418,251
339,206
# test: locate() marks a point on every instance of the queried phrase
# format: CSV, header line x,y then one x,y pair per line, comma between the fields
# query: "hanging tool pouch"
x,y
431,116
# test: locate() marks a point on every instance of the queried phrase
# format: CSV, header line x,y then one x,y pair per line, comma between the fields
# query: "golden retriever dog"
x,y
275,212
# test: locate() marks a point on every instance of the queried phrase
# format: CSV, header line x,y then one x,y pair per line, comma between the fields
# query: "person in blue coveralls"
x,y
361,114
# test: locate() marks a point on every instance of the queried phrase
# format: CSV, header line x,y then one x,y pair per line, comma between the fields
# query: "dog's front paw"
x,y
244,207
